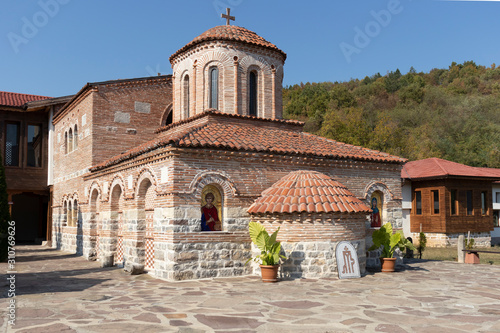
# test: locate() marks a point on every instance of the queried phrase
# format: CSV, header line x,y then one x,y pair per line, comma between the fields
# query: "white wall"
x,y
406,192
496,207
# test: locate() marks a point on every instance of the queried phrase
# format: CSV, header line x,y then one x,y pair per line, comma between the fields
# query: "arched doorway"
x,y
146,198
94,222
116,223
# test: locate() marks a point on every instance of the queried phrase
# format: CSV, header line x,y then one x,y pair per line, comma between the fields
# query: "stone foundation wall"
x,y
205,260
314,259
481,239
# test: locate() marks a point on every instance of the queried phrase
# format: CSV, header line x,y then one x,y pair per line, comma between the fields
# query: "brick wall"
x,y
178,177
235,62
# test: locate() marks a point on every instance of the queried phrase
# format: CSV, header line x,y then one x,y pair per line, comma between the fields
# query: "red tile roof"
x,y
439,168
308,192
230,33
244,133
15,99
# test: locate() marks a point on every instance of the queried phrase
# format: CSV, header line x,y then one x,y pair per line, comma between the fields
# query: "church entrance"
x,y
119,242
29,210
149,241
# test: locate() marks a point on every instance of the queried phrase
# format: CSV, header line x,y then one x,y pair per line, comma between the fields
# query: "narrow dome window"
x,y
185,97
252,105
214,87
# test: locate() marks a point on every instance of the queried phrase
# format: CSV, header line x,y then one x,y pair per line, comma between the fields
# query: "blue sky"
x,y
55,50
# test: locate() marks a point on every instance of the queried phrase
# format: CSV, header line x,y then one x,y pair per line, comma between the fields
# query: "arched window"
x,y
66,142
75,140
185,95
214,87
252,88
65,213
93,202
69,214
70,140
75,213
168,116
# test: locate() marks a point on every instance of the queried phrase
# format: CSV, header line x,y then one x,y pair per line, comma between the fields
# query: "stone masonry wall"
x,y
481,239
178,177
309,242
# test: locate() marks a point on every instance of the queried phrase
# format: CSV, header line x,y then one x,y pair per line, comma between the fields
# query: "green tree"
x,y
392,83
4,213
449,113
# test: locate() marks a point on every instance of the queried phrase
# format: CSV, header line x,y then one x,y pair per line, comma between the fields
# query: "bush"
x,y
4,213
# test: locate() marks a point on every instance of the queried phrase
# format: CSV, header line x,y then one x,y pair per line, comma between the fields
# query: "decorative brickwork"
x,y
139,188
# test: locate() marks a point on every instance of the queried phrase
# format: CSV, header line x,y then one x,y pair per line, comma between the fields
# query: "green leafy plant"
x,y
4,213
389,241
422,243
268,246
469,244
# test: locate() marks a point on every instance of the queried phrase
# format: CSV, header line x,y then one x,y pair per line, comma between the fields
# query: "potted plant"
x,y
388,241
471,257
269,251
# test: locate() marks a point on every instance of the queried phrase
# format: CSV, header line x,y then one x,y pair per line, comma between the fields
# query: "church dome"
x,y
307,191
229,33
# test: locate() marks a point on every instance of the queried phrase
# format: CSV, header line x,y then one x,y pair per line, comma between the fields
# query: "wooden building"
x,y
24,140
445,199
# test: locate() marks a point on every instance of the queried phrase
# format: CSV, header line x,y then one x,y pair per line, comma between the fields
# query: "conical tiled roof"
x,y
310,192
230,33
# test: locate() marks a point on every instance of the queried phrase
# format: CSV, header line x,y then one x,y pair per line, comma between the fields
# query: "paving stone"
x,y
353,321
33,313
55,328
390,329
295,304
179,323
222,322
147,317
175,315
424,297
160,309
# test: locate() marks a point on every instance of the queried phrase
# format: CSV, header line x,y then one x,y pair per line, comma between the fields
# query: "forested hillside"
x,y
449,113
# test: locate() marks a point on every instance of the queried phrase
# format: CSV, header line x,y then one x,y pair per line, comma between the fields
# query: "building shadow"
x,y
57,281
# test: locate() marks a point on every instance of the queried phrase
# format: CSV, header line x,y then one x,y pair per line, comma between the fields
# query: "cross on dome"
x,y
227,16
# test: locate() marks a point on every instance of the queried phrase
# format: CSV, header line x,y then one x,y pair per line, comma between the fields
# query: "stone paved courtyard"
x,y
61,292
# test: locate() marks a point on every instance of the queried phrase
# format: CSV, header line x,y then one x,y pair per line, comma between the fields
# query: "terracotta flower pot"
x,y
269,273
388,264
472,258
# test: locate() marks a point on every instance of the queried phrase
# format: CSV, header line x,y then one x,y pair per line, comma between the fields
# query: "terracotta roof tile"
x,y
296,201
439,168
277,141
229,33
244,133
15,99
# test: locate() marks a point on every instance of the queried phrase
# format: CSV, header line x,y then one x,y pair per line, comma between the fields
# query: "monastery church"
x,y
136,161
